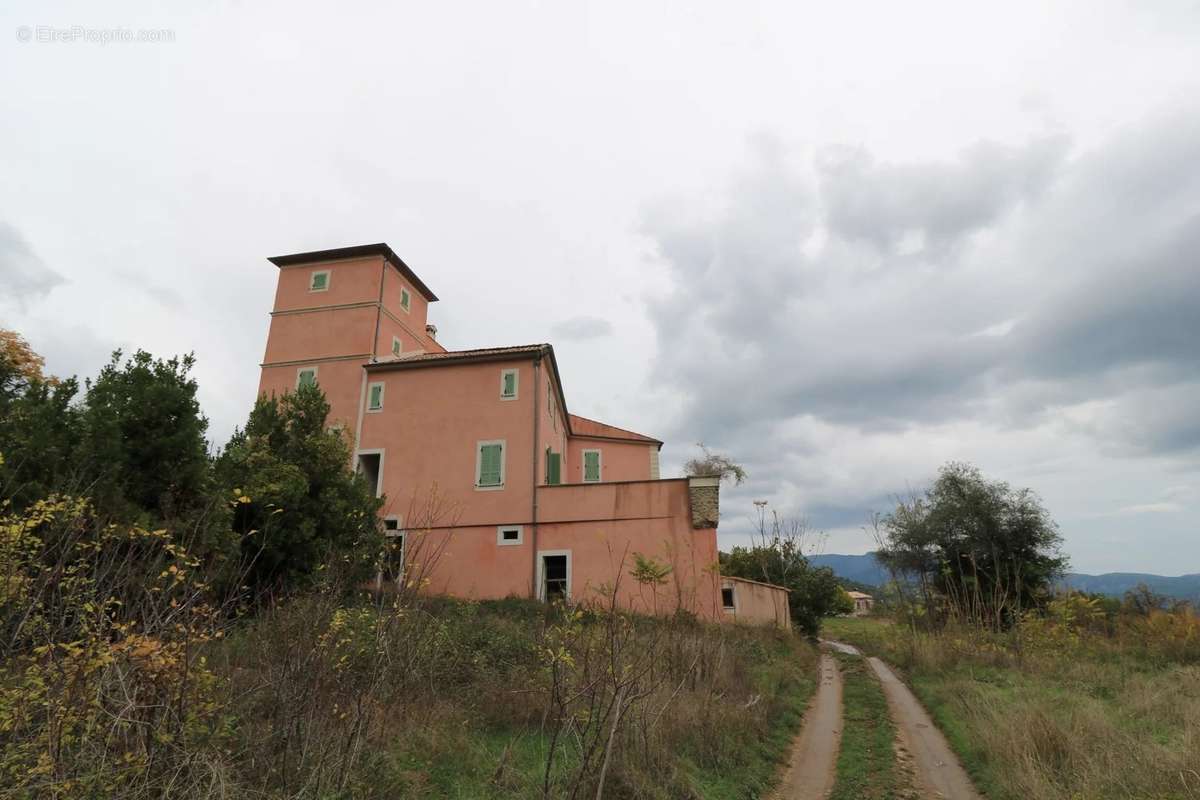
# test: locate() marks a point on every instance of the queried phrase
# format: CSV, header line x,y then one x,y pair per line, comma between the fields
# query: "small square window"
x,y
727,598
396,346
375,397
509,535
508,384
318,281
306,376
405,299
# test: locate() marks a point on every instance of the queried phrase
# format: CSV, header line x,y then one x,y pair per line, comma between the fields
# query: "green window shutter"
x,y
510,384
591,466
376,397
320,280
405,300
307,377
395,346
489,464
553,467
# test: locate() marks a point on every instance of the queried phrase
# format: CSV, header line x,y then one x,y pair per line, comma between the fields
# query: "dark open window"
x,y
392,568
370,466
727,597
554,570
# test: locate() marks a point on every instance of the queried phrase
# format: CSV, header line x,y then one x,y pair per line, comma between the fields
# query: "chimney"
x,y
431,331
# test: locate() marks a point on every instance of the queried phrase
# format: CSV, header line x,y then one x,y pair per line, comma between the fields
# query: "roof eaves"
x,y
357,251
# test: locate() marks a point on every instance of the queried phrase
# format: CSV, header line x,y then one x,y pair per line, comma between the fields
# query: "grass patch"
x,y
1061,719
866,765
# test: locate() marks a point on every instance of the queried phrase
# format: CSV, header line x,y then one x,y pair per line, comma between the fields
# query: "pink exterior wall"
x,y
434,417
317,335
351,281
553,431
340,380
757,603
601,526
431,422
619,460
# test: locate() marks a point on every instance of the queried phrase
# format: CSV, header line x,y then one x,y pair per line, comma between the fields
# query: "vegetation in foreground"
x,y
866,766
174,624
119,679
1065,705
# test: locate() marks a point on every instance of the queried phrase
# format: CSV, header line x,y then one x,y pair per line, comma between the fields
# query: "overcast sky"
x,y
843,242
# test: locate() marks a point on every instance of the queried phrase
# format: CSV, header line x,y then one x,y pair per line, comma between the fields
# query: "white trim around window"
x,y
733,594
479,464
379,476
599,465
302,370
541,572
516,373
370,391
504,535
405,299
312,280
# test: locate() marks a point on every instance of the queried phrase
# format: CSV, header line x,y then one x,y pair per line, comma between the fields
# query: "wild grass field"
x,y
118,680
1059,708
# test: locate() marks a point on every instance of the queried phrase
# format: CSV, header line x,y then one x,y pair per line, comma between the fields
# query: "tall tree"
x,y
297,502
143,438
981,549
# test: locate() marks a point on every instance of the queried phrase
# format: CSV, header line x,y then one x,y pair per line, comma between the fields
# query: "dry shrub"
x,y
104,690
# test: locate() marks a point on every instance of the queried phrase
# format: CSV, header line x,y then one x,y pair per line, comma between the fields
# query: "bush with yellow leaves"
x,y
103,689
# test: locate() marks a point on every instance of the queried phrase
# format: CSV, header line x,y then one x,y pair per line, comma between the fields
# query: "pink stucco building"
x,y
493,487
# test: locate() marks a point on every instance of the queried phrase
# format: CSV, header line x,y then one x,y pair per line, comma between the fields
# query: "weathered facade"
x,y
494,488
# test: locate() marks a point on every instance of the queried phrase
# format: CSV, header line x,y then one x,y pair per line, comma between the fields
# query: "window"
x,y
405,299
374,397
391,569
318,281
510,535
591,466
554,575
727,598
508,384
396,347
553,467
489,465
370,466
306,376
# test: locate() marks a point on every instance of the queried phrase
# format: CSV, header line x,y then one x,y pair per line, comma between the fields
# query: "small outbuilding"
x,y
863,603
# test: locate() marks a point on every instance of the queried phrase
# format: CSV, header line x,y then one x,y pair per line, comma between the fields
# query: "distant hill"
x,y
1184,587
863,569
867,570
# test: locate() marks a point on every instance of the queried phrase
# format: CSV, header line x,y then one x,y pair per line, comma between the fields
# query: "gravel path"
x,y
938,772
811,769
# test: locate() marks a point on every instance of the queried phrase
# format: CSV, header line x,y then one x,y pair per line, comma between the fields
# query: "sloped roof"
x,y
407,360
357,251
582,426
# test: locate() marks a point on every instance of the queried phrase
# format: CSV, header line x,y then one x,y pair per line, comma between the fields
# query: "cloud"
x,y
26,277
830,313
583,327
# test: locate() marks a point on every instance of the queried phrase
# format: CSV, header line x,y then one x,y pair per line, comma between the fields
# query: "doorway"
x,y
554,576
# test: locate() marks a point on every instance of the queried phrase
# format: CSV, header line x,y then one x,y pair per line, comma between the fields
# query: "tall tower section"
x,y
338,310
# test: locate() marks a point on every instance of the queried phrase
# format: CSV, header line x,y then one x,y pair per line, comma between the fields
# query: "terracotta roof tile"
x,y
582,426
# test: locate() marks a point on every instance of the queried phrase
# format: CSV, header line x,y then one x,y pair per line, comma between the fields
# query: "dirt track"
x,y
938,772
811,769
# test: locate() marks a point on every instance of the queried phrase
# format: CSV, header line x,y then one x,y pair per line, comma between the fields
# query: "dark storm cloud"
x,y
881,296
581,328
25,276
880,203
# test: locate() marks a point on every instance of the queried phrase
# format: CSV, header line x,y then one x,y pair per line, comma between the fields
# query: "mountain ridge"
x,y
866,569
